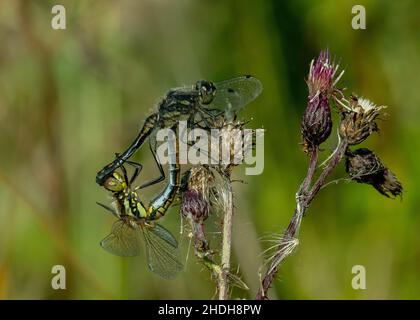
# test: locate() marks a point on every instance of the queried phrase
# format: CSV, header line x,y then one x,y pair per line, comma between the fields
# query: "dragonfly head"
x,y
207,91
115,182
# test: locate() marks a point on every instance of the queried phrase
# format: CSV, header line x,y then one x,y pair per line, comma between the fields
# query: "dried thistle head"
x,y
358,120
316,122
364,166
235,143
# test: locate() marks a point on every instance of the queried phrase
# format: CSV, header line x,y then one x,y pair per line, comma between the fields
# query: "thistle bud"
x,y
316,122
195,204
358,120
364,166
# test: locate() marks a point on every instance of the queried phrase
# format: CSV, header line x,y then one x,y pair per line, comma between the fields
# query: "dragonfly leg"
x,y
207,124
193,123
211,115
124,170
162,173
207,120
137,169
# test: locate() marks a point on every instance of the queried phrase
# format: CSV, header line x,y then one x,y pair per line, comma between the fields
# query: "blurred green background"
x,y
71,98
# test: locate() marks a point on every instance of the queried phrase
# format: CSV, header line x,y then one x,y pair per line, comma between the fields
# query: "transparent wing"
x,y
234,94
123,239
184,88
162,251
165,235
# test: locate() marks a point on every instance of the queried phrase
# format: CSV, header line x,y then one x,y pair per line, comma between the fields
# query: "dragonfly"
x,y
200,104
137,221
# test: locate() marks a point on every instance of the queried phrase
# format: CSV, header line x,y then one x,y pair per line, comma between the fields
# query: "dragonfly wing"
x,y
165,235
234,94
123,239
163,256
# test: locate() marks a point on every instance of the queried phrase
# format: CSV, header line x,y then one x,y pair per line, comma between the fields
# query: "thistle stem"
x,y
341,150
223,284
303,199
313,160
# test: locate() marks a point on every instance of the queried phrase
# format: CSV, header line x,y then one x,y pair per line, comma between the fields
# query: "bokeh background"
x,y
71,98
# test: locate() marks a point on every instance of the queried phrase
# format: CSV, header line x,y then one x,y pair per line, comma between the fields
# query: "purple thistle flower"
x,y
321,79
194,205
195,199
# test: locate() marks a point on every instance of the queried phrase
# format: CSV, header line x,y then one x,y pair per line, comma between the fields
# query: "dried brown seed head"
x,y
358,120
364,166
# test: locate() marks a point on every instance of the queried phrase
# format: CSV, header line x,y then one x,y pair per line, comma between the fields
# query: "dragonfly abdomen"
x,y
135,206
162,202
146,130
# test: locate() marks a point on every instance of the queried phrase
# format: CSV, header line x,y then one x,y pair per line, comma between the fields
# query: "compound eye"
x,y
199,85
112,184
207,91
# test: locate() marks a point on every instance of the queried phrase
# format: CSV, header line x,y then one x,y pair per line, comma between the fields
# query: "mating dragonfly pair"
x,y
201,105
